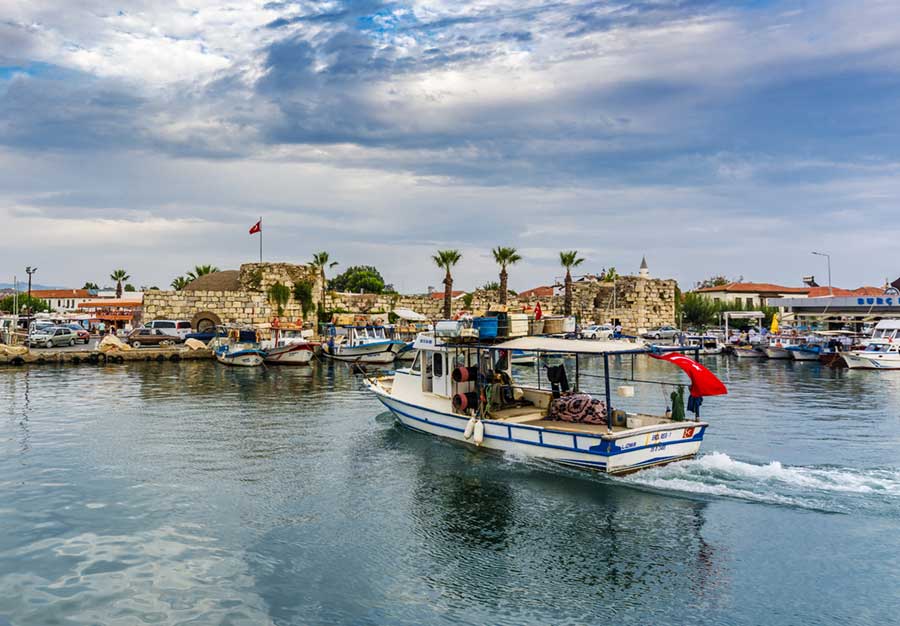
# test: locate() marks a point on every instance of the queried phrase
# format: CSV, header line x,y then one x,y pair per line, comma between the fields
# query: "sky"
x,y
715,137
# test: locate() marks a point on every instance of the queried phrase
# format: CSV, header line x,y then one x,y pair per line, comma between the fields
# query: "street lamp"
x,y
29,270
828,257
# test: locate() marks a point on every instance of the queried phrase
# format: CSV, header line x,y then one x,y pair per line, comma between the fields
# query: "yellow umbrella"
x,y
774,327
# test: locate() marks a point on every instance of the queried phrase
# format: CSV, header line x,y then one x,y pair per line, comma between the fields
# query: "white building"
x,y
62,300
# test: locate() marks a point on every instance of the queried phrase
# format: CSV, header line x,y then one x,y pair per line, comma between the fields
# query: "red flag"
x,y
256,228
703,382
538,313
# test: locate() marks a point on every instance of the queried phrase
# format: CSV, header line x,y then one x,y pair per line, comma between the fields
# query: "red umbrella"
x,y
703,382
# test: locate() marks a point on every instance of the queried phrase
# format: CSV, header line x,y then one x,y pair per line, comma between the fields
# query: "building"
x,y
751,294
544,291
62,300
644,271
845,309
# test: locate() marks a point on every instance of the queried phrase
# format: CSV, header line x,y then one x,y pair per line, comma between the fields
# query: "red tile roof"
x,y
439,295
755,288
545,291
60,293
820,292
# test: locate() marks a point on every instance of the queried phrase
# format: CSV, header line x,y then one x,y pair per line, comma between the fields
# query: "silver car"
x,y
663,332
52,336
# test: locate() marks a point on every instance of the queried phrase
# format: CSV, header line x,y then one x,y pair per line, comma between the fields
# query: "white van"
x,y
175,328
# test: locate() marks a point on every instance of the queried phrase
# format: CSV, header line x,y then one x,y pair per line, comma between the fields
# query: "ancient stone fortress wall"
x,y
638,302
247,304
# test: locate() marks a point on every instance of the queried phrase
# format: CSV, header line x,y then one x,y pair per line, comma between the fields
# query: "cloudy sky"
x,y
715,137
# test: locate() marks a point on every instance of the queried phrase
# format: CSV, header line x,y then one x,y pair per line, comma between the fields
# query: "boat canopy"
x,y
888,325
409,315
571,346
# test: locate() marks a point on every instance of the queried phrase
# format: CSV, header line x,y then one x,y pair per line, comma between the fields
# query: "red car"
x,y
83,335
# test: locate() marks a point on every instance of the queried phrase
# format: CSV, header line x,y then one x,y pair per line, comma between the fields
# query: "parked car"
x,y
174,328
597,331
50,336
83,335
150,337
663,332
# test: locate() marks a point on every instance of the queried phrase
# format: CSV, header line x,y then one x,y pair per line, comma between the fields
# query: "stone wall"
x,y
639,303
248,305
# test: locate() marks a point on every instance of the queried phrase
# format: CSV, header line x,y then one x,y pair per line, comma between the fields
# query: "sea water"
x,y
197,493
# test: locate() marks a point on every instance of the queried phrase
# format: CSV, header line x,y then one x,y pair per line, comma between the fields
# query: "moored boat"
x,y
777,346
289,346
878,355
361,344
748,351
236,346
466,392
706,344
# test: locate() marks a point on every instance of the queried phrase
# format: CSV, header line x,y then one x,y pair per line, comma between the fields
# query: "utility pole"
x,y
828,258
30,270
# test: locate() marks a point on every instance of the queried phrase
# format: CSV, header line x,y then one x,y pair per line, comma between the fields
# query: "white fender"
x,y
479,432
470,428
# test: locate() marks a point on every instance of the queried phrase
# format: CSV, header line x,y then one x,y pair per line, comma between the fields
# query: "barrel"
x,y
464,401
486,327
465,374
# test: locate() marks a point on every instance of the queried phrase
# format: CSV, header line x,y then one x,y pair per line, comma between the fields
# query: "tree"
x,y
446,259
91,286
201,270
35,305
713,281
303,290
180,282
320,261
698,310
504,258
279,295
358,279
119,276
130,287
609,275
569,259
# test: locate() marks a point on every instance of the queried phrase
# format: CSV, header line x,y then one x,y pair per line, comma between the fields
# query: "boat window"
x,y
438,365
417,364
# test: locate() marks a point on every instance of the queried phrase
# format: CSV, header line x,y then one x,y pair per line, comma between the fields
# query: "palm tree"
x,y
320,261
119,276
180,282
201,270
445,259
504,258
569,260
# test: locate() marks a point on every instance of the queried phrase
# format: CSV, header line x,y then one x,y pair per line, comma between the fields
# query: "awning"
x,y
572,346
409,315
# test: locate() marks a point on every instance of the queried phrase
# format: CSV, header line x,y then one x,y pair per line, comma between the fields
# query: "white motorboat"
x,y
465,392
885,330
361,344
235,346
706,344
878,355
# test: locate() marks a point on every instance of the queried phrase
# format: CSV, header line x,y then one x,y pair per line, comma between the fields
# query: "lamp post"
x,y
828,258
29,270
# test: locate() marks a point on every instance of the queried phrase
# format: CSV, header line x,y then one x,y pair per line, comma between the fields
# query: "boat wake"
x,y
823,488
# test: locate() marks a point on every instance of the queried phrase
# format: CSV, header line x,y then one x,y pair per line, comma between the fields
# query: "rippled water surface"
x,y
194,493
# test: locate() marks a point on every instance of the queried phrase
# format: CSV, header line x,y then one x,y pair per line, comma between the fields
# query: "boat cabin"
x,y
886,330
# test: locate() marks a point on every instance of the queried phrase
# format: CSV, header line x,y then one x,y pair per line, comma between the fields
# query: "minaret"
x,y
645,271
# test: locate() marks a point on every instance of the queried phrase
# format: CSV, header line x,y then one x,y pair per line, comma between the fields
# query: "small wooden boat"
x,y
289,347
747,352
237,346
361,344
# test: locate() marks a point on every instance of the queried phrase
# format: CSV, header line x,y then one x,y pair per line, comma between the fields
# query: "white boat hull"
x,y
290,355
777,353
860,359
748,353
249,359
367,353
624,453
803,355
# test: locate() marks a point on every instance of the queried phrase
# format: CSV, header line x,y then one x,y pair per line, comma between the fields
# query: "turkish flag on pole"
x,y
256,228
538,313
703,382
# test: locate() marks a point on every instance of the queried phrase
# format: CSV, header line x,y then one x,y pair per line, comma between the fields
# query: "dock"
x,y
96,357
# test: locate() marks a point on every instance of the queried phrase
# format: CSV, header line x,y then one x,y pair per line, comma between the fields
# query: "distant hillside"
x,y
23,286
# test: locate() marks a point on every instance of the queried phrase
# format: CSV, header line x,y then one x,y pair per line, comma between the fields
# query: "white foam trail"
x,y
829,488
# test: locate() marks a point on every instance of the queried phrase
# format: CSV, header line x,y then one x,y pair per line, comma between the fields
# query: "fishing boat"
x,y
240,347
747,351
777,346
520,357
806,352
467,393
289,346
705,344
409,325
361,344
878,355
